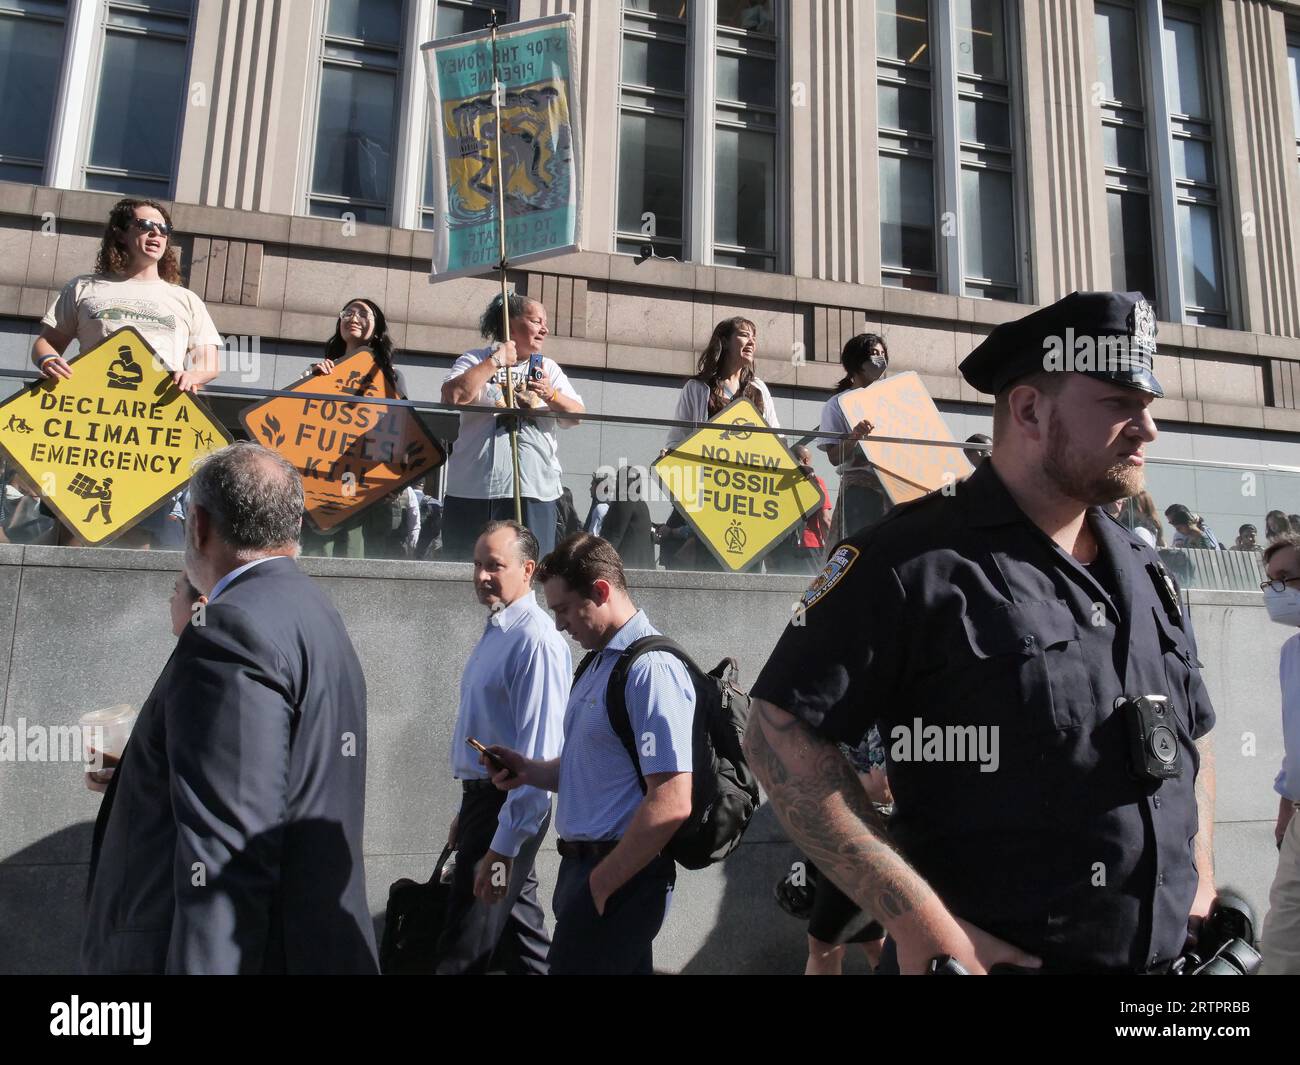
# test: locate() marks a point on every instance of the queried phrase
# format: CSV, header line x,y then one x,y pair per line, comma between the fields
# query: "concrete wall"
x,y
81,629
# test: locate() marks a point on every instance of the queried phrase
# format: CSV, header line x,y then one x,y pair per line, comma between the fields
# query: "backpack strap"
x,y
616,693
587,659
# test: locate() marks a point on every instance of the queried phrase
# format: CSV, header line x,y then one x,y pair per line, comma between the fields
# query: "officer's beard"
x,y
1075,477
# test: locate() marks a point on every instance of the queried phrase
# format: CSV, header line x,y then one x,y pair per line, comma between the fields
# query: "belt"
x,y
477,785
582,848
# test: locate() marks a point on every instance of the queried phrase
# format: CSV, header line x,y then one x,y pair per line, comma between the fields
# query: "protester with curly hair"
x,y
136,283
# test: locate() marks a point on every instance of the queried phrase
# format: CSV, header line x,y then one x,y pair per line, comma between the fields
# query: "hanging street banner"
x,y
541,145
901,406
350,454
106,447
741,491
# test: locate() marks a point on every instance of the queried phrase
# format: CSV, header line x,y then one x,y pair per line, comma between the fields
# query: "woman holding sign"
x,y
361,326
862,499
726,372
137,282
480,473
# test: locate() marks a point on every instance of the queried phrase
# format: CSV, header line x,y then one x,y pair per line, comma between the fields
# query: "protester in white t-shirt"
x,y
726,372
862,499
480,473
136,283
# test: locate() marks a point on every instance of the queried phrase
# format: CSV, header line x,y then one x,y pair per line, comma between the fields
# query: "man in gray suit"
x,y
229,840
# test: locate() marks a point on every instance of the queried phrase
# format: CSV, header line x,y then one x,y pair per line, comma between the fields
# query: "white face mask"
x,y
1283,607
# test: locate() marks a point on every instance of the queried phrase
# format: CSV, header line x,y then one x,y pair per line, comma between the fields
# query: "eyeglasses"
x,y
150,225
362,316
1277,586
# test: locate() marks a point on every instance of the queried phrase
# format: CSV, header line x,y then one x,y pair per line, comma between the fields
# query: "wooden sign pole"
x,y
497,92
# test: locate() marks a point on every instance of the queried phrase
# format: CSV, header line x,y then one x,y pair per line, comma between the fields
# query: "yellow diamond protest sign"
x,y
106,447
741,491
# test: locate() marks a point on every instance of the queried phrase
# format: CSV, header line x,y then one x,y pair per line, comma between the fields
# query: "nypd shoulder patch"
x,y
831,575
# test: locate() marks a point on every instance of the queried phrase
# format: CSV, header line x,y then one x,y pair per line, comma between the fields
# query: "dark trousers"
x,y
463,520
510,934
622,941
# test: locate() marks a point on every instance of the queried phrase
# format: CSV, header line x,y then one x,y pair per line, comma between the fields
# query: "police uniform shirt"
x,y
599,791
958,611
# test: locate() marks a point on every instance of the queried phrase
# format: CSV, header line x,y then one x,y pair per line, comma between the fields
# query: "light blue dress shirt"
x,y
599,791
512,693
1287,783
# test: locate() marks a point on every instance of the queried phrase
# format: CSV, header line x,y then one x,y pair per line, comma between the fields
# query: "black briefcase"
x,y
413,923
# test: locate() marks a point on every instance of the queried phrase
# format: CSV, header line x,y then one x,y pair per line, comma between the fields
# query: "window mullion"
x,y
949,220
72,110
701,58
413,118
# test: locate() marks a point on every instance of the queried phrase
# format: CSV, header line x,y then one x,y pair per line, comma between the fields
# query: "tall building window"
x,y
951,176
652,127
140,98
745,143
31,53
700,126
361,54
450,18
1162,171
988,219
1195,184
1124,142
905,106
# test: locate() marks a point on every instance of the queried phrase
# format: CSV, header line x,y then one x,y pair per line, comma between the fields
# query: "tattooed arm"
x,y
822,807
1203,847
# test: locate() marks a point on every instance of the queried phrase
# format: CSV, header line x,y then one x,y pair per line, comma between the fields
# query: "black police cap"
x,y
1107,335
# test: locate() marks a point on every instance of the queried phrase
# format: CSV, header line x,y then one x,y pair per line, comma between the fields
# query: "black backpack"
x,y
724,793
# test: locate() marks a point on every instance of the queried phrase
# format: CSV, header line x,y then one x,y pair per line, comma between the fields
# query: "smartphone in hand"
x,y
492,758
535,368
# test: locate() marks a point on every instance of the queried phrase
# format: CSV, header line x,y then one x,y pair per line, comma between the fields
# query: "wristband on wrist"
x,y
46,358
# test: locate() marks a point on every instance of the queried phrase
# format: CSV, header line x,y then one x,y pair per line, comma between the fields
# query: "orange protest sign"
x,y
901,406
350,454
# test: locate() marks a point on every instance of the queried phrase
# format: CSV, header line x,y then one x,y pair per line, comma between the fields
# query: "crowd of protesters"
x,y
137,281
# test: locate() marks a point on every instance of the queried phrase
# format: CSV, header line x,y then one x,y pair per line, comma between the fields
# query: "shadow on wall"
x,y
749,932
42,903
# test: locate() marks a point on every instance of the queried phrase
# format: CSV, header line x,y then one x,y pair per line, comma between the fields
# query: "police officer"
x,y
1032,675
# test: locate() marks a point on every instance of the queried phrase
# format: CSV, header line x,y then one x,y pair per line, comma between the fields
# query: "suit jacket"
x,y
230,837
